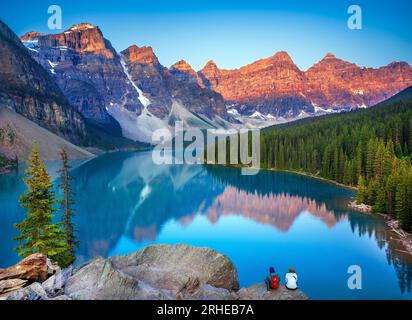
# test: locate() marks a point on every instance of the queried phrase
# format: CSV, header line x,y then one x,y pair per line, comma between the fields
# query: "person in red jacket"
x,y
272,280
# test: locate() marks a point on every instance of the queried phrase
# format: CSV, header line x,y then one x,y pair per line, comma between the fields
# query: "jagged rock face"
x,y
269,85
162,85
184,72
82,38
29,90
87,69
30,36
149,75
276,86
334,82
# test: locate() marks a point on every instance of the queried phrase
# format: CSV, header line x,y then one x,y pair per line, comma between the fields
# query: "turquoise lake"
x,y
125,202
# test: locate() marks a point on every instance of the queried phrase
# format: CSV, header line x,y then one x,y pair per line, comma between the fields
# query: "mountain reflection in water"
x,y
124,202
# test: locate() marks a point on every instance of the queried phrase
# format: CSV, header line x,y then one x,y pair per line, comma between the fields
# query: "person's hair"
x,y
292,270
271,270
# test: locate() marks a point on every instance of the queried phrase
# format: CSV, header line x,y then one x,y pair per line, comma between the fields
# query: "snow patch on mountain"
x,y
233,112
136,127
53,65
143,100
257,115
359,92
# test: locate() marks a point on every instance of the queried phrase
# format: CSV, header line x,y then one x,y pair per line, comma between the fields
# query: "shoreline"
x,y
305,174
391,223
301,173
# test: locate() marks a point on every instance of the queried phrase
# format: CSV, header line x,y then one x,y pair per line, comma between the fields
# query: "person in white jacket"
x,y
291,279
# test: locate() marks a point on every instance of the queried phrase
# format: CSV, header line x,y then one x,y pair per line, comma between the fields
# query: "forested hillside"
x,y
371,149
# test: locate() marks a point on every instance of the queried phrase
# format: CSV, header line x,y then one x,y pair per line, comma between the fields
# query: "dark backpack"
x,y
274,282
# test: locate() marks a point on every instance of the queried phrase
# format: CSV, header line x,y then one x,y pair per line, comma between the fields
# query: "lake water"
x,y
125,202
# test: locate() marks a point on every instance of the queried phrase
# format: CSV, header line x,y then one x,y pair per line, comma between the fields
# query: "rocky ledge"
x,y
404,238
158,272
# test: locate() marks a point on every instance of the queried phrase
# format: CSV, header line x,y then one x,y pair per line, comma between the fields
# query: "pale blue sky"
x,y
235,33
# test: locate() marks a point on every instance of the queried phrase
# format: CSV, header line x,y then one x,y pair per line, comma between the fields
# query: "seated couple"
x,y
273,281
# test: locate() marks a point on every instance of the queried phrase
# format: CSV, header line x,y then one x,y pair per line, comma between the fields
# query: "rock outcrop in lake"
x,y
158,272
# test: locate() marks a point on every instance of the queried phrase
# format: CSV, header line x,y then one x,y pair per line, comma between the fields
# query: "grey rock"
x,y
33,292
259,292
52,268
59,298
99,280
156,272
183,261
54,286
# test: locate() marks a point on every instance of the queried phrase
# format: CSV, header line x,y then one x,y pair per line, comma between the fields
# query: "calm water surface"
x,y
125,202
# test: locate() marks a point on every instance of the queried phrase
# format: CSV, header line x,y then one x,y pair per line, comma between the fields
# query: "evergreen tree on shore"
x,y
37,231
67,203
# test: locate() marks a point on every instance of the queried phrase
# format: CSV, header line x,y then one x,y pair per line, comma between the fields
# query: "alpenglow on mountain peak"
x,y
82,26
271,86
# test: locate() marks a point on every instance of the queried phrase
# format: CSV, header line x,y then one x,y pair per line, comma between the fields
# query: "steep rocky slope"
x,y
87,70
19,133
28,89
131,92
162,87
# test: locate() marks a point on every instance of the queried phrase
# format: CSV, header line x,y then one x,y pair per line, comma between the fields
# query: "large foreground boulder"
x,y
157,272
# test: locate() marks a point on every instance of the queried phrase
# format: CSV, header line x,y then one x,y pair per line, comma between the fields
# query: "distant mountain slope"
x,y
29,90
87,70
18,134
399,103
275,87
96,80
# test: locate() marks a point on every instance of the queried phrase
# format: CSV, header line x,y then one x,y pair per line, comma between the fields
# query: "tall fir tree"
x,y
360,196
67,203
37,231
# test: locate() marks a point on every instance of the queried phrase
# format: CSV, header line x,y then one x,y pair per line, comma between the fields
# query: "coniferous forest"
x,y
370,149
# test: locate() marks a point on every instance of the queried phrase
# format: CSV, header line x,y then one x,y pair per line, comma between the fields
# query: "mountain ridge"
x,y
266,91
114,87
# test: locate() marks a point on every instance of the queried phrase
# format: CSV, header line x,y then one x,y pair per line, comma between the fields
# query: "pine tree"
x,y
403,208
360,197
359,160
67,203
37,231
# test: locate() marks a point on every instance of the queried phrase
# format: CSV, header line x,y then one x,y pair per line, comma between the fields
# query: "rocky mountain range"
x,y
82,89
131,89
33,106
275,86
